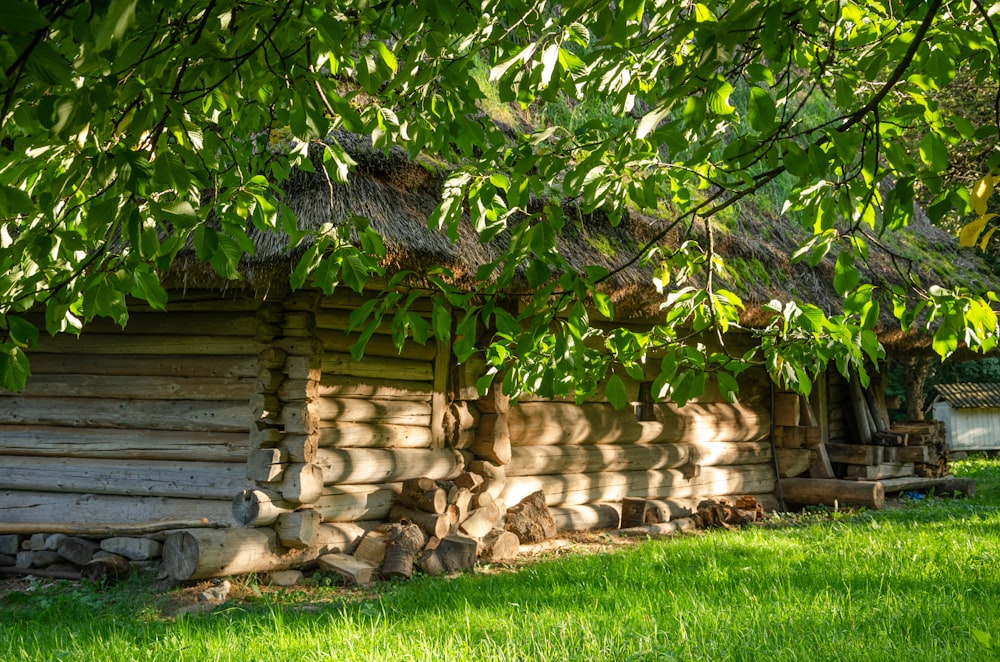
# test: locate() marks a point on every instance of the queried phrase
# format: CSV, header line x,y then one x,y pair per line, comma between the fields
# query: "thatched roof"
x,y
398,195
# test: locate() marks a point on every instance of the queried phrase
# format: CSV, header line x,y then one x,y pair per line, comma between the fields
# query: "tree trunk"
x,y
915,373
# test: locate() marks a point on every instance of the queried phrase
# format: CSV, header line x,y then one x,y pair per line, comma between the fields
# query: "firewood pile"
x,y
441,527
915,448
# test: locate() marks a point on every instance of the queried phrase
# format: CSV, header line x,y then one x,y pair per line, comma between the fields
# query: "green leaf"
x,y
933,152
760,109
845,274
615,392
14,368
121,14
19,17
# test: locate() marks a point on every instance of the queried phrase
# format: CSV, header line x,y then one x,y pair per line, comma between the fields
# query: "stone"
x,y
217,593
285,578
37,542
43,558
10,544
23,559
135,549
78,550
52,542
7,560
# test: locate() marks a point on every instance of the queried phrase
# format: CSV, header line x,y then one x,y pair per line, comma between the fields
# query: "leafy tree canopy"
x,y
132,130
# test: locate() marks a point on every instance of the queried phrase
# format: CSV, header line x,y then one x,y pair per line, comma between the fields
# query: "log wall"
x,y
591,455
136,426
335,435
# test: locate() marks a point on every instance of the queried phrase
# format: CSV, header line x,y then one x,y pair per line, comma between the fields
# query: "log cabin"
x,y
241,409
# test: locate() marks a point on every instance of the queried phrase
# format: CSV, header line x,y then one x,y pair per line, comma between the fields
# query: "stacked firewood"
x,y
443,526
916,448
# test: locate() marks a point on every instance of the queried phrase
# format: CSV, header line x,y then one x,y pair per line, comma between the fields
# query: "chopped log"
x,y
821,466
340,536
191,415
371,548
463,504
575,489
301,483
265,435
265,465
793,461
354,466
816,491
352,570
457,553
259,507
682,525
728,513
551,423
530,520
297,529
422,493
201,480
498,546
637,512
353,503
964,487
106,569
436,525
482,520
586,517
147,387
494,476
462,417
405,540
469,481
482,499
492,439
112,443
884,470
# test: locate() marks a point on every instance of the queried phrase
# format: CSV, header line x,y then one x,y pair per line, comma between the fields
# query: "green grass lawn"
x,y
917,582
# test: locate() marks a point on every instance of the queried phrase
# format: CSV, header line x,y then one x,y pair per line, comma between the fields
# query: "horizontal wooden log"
x,y
543,460
357,410
196,480
378,367
204,553
364,435
298,529
151,344
182,323
855,453
355,503
377,345
338,319
300,447
301,483
125,364
195,415
309,417
906,453
265,465
575,489
98,509
552,423
58,441
339,386
492,439
190,299
947,486
720,453
818,491
382,465
138,387
341,299
586,517
877,471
